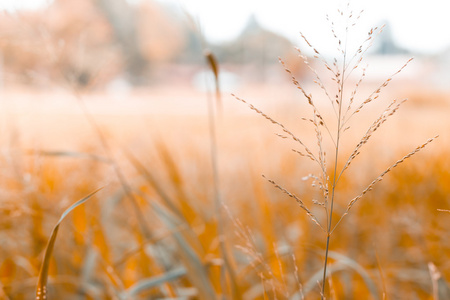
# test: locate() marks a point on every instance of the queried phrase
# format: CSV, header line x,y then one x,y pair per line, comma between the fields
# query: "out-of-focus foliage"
x,y
77,40
394,244
386,243
91,42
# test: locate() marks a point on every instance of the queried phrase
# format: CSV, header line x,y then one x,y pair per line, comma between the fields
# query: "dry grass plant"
x,y
152,234
344,107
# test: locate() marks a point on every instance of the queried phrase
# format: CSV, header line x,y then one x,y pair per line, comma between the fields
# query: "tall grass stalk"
x,y
212,128
215,109
218,202
345,104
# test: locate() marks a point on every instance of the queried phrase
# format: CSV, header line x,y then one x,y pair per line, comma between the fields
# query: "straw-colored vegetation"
x,y
184,212
385,245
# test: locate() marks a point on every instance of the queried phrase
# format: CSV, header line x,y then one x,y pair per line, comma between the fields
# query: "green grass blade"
x,y
149,283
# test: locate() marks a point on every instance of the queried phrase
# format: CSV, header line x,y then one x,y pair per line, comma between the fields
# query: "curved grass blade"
x,y
342,263
149,283
41,289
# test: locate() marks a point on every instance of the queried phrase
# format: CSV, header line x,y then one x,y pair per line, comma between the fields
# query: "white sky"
x,y
417,25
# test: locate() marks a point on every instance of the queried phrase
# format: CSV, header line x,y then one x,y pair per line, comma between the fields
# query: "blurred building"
x,y
255,45
257,51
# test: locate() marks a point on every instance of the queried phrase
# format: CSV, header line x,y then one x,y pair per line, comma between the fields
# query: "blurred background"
x,y
123,44
123,92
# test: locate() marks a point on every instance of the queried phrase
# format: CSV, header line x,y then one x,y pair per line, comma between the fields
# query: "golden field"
x,y
125,174
155,234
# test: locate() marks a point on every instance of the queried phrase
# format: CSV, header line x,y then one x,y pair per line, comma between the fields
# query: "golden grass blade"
x,y
41,289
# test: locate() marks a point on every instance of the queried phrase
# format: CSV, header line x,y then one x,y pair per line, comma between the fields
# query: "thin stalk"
x,y
212,122
335,172
213,153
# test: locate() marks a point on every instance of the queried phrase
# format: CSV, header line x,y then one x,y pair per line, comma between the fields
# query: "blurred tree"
x,y
79,40
89,42
122,18
65,42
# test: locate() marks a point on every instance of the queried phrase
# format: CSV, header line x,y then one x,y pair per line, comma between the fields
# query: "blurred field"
x,y
51,157
111,93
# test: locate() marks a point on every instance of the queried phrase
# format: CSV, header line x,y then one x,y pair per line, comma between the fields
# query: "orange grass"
x,y
385,246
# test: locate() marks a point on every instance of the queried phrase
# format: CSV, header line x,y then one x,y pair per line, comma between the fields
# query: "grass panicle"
x,y
343,108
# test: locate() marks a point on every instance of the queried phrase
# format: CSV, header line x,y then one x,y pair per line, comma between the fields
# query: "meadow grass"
x,y
396,229
102,253
164,228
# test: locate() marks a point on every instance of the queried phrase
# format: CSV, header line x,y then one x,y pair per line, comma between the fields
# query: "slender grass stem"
x,y
215,168
344,110
218,201
335,172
